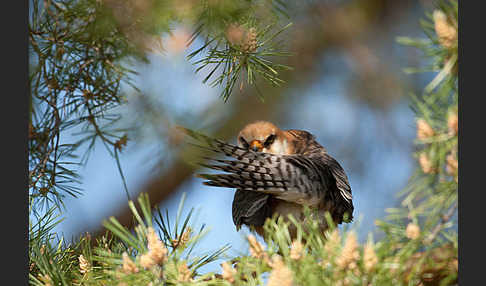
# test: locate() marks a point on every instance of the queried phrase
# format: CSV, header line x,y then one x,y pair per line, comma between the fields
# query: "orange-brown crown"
x,y
264,136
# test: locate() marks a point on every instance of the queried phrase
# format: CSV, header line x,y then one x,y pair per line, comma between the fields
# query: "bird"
x,y
277,173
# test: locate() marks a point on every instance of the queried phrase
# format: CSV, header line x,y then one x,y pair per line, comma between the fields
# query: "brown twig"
x,y
444,219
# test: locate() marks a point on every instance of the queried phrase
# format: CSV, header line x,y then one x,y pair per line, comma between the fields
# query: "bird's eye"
x,y
243,142
269,140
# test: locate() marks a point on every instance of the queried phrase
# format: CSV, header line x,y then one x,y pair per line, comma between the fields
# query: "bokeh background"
x,y
348,88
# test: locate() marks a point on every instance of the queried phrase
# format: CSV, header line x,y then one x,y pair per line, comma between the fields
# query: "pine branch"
x,y
444,219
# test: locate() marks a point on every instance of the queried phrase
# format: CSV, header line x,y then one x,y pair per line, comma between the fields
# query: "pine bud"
x,y
451,164
349,253
412,231
424,130
425,163
84,265
296,250
183,239
128,265
281,275
228,272
120,143
157,250
146,261
446,33
333,240
256,248
452,123
250,43
184,273
369,257
239,36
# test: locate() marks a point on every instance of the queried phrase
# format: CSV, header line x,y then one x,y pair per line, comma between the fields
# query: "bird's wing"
x,y
250,208
293,178
340,189
329,165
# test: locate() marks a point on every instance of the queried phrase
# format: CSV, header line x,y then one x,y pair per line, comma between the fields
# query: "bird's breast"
x,y
284,208
279,147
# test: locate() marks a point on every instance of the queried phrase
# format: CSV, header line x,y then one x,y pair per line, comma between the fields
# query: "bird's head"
x,y
263,136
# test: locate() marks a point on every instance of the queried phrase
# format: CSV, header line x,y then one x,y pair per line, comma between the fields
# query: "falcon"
x,y
278,172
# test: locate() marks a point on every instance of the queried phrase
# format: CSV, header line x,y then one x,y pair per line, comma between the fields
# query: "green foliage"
x,y
60,263
51,259
245,53
75,76
431,196
314,258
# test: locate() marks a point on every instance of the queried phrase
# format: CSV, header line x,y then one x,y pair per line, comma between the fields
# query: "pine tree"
x,y
81,52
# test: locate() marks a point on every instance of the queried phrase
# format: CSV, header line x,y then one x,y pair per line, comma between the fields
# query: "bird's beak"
x,y
256,146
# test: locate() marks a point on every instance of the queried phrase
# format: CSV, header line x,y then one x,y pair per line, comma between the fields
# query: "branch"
x,y
444,219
